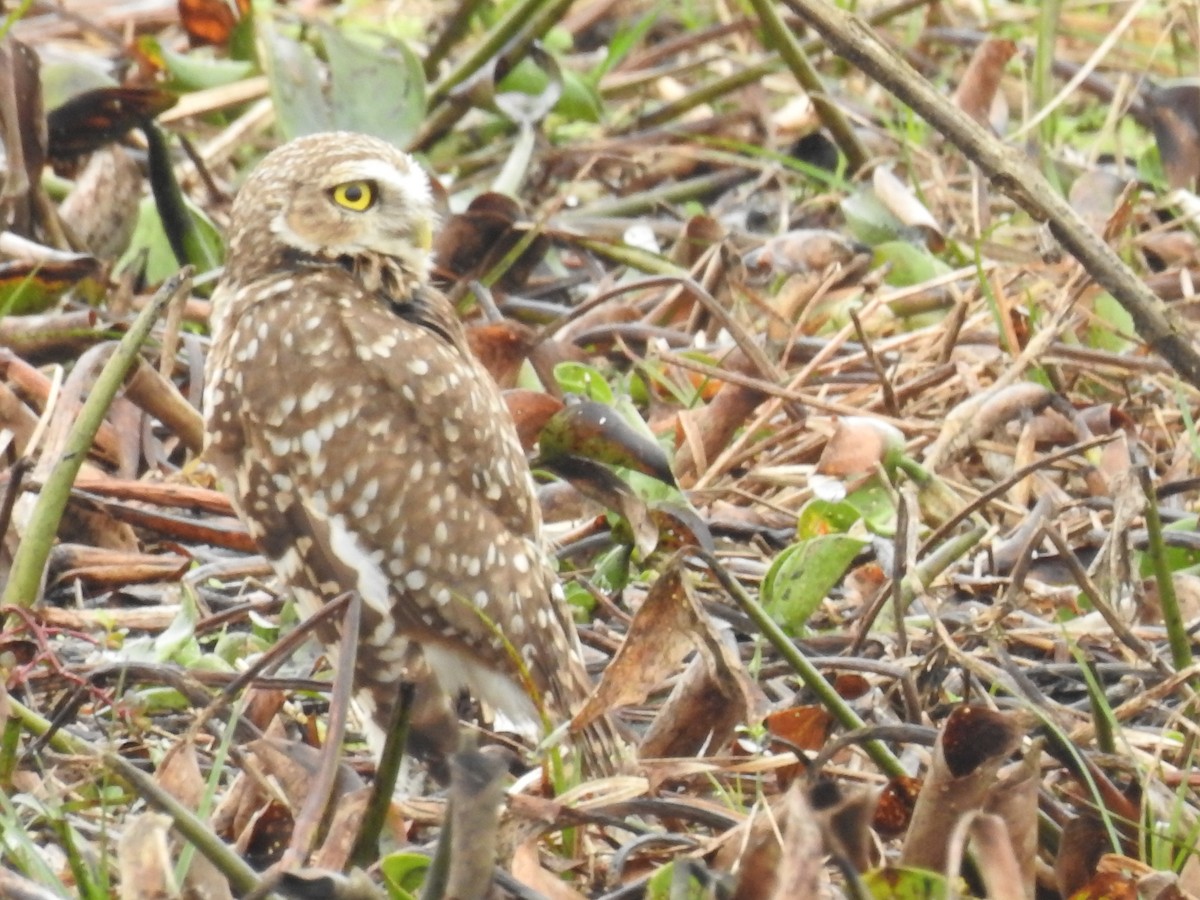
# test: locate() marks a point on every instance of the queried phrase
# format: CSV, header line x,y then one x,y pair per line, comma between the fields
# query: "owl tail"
x,y
603,750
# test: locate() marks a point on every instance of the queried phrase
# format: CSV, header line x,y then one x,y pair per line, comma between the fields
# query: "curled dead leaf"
x,y
94,118
858,445
596,431
474,241
979,89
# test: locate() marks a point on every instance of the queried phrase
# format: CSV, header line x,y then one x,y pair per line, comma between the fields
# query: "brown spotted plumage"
x,y
368,450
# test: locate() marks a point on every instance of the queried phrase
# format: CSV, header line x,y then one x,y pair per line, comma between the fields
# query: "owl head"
x,y
335,196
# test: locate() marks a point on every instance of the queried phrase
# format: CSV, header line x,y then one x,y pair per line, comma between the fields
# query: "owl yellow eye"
x,y
354,195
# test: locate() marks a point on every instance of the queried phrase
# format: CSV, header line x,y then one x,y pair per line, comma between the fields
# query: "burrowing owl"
x,y
368,450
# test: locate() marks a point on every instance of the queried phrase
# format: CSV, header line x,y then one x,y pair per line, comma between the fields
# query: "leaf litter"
x,y
875,508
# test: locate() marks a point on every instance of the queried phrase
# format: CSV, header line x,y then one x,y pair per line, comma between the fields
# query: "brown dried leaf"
x,y
144,860
101,210
471,243
806,727
858,445
179,775
94,118
211,21
531,410
502,347
335,852
844,813
713,697
894,810
804,250
973,744
980,83
660,636
1174,112
903,203
787,869
527,868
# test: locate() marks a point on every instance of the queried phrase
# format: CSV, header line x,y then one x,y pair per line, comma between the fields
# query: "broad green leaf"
x,y
296,89
599,432
377,85
195,70
873,501
584,380
1112,327
149,236
674,882
908,263
868,220
802,575
404,874
822,517
904,884
580,101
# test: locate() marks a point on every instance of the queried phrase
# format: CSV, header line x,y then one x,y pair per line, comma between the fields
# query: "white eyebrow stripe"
x,y
413,183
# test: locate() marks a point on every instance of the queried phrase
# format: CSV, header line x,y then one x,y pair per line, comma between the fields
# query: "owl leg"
x,y
433,729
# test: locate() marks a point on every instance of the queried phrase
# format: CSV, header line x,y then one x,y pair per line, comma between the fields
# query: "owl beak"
x,y
423,235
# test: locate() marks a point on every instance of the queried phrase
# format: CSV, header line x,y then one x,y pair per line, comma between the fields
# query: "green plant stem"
x,y
1010,172
438,874
456,26
707,93
504,31
1043,82
812,678
751,74
647,201
25,577
780,38
1177,633
366,845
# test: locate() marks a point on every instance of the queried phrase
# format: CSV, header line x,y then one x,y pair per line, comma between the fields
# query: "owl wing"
x,y
394,470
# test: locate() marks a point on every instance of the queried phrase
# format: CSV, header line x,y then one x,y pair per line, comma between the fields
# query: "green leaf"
x,y
296,89
674,882
802,575
623,42
584,380
195,70
580,101
1112,327
869,220
908,263
377,85
873,501
904,884
150,237
822,517
611,572
599,432
404,874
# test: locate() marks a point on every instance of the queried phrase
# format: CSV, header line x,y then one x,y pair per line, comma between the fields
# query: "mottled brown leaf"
x,y
595,431
95,118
